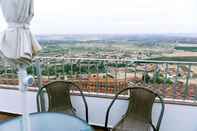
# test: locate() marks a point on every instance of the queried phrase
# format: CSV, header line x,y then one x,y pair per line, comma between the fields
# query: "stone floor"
x,y
98,129
6,116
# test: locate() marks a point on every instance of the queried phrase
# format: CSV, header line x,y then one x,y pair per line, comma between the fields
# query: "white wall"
x,y
176,117
10,101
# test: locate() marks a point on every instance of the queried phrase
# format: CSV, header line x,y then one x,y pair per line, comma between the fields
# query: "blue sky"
x,y
113,16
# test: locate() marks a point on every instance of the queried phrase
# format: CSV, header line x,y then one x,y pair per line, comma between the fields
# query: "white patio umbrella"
x,y
17,44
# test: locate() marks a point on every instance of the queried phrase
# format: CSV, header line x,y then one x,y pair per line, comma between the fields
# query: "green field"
x,y
186,48
186,59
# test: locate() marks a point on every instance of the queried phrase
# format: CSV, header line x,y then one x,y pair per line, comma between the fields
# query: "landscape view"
x,y
108,63
155,47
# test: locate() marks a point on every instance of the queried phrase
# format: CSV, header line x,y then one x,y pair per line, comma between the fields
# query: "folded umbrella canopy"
x,y
17,44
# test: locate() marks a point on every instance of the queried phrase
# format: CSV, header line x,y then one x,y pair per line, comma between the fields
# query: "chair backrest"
x,y
140,105
59,99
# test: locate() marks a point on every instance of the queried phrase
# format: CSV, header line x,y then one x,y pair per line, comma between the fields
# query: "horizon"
x,y
124,34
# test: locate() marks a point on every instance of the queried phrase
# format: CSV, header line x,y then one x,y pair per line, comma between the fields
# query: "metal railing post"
x,y
175,82
187,81
39,82
39,73
165,79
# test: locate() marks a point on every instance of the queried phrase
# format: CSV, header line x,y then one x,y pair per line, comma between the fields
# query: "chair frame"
x,y
40,91
138,87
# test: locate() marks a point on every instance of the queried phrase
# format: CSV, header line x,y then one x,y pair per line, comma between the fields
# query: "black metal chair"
x,y
139,113
59,100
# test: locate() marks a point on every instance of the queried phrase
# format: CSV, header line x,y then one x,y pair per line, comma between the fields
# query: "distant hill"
x,y
134,38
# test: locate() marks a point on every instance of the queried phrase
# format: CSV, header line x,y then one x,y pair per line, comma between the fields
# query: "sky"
x,y
113,17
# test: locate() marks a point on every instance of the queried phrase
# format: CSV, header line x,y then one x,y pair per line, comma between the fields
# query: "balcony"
x,y
100,79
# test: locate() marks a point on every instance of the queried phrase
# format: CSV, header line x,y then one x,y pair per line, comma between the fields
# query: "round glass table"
x,y
48,122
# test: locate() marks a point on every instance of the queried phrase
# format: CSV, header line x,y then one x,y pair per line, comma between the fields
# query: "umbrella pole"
x,y
24,81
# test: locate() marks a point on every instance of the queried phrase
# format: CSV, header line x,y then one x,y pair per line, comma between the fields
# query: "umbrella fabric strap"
x,y
18,25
